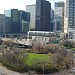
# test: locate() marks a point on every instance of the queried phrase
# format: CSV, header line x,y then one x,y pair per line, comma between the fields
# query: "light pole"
x,y
43,69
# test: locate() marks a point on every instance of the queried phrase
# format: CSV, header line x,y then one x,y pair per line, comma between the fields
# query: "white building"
x,y
65,19
43,36
32,10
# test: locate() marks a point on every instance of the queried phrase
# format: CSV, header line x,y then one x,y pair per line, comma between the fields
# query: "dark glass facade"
x,y
15,24
24,18
2,24
7,25
43,9
14,19
24,15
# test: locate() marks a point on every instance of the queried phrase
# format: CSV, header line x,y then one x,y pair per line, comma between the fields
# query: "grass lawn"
x,y
34,58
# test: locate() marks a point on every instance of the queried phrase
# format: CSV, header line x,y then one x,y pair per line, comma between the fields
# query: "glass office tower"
x,y
43,10
2,24
32,10
59,16
70,16
24,19
12,16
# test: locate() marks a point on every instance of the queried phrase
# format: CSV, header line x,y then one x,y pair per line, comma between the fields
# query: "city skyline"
x,y
19,4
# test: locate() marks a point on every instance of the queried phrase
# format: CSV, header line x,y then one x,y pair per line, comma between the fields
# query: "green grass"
x,y
73,49
34,58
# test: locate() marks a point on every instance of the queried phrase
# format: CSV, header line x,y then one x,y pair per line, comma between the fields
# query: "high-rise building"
x,y
15,24
52,13
32,10
7,25
43,9
24,18
70,8
2,24
7,21
65,19
14,18
59,16
69,25
52,20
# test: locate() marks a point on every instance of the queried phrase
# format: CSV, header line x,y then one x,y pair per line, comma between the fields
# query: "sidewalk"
x,y
5,71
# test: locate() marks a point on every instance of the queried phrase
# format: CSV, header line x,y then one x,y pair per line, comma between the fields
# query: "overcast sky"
x,y
19,4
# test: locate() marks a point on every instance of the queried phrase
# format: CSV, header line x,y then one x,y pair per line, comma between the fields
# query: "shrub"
x,y
41,67
15,59
68,44
62,59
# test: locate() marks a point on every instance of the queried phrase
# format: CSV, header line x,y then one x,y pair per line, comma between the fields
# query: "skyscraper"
x,y
65,19
15,24
70,8
24,19
69,25
52,20
7,21
7,25
2,24
14,20
59,16
43,9
32,10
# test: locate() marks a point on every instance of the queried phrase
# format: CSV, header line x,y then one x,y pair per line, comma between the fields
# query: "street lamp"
x,y
43,69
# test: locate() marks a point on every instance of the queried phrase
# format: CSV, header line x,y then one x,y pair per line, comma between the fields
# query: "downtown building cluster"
x,y
40,17
14,21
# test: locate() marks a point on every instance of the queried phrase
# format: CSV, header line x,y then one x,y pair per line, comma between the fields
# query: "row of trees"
x,y
61,58
15,58
44,48
68,44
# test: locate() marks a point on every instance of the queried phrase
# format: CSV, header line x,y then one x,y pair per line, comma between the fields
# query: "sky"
x,y
19,4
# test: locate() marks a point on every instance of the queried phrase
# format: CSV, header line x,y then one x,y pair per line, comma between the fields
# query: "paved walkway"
x,y
5,71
